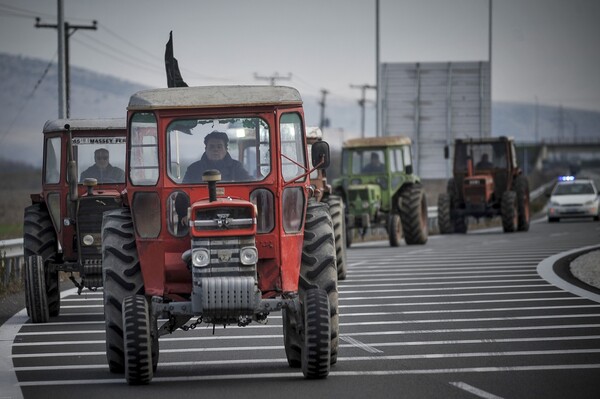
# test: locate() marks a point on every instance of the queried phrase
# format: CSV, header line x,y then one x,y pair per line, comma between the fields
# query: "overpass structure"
x,y
573,152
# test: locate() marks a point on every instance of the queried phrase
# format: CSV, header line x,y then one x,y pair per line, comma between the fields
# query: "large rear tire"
x,y
122,277
318,268
336,210
137,340
508,208
522,190
413,213
443,217
317,339
39,238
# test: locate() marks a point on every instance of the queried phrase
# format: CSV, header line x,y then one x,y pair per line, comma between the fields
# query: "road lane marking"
x,y
358,344
475,391
546,270
299,375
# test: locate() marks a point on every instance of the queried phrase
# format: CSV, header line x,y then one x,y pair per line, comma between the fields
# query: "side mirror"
x,y
408,169
320,154
446,152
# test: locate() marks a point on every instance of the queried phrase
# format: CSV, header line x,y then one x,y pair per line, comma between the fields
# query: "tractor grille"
x,y
89,224
224,257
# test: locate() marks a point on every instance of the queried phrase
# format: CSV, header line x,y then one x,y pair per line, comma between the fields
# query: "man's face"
x,y
215,149
101,159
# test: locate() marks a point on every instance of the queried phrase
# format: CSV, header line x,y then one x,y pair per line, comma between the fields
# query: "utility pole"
x,y
378,109
273,78
362,103
322,122
65,30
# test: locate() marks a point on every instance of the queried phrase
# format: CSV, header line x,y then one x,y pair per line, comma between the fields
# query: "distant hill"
x,y
22,115
23,110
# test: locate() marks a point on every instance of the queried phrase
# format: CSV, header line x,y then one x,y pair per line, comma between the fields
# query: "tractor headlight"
x,y
248,256
365,204
200,257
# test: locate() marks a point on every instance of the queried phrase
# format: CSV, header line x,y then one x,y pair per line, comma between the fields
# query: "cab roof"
x,y
377,142
214,96
58,125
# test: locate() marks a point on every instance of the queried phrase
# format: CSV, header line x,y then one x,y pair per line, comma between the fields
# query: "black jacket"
x,y
231,170
111,174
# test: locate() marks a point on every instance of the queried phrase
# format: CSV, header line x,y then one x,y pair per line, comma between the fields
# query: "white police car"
x,y
573,198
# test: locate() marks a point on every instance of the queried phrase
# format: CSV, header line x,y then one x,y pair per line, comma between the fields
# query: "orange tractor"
x,y
219,246
487,183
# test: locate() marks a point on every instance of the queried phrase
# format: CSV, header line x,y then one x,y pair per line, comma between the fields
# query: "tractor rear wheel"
x,y
122,277
137,340
317,339
508,208
413,213
443,217
318,269
35,290
394,229
522,190
336,210
39,238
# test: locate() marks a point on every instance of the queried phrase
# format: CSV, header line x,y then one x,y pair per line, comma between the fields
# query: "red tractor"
x,y
487,182
61,230
225,237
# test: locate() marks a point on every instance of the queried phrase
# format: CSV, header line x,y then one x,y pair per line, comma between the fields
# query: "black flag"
x,y
174,78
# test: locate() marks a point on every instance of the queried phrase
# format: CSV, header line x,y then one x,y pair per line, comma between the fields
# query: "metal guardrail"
x,y
11,261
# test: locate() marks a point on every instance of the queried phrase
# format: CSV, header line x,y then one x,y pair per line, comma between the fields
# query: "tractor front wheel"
x,y
39,238
443,217
122,277
394,228
508,208
522,190
317,338
35,290
137,340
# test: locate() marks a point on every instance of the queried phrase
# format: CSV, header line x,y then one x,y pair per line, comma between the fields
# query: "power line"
x,y
29,97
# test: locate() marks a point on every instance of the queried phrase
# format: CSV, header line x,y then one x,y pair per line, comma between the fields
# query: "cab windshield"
x,y
101,158
238,147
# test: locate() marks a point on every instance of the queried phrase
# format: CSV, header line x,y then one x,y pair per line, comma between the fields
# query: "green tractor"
x,y
380,190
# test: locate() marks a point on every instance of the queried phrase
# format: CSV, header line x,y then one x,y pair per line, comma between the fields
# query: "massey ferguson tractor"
x,y
379,189
61,230
219,246
487,183
324,193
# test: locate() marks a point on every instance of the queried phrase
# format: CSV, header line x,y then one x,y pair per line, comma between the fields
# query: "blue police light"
x,y
566,178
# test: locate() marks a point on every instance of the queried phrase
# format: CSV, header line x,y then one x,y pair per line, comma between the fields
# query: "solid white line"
x,y
546,270
475,391
380,305
345,292
486,341
476,294
349,284
298,375
478,273
424,356
383,277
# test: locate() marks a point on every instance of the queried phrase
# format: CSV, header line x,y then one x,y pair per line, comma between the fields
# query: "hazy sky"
x,y
547,49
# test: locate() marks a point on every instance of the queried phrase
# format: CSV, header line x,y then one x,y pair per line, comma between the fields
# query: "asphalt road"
x,y
463,316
